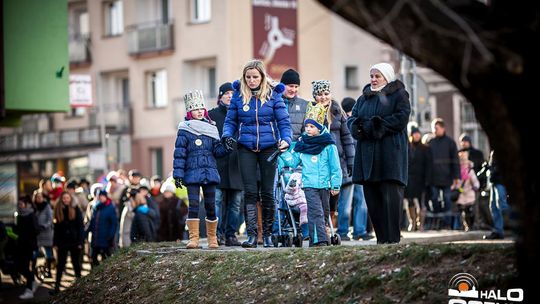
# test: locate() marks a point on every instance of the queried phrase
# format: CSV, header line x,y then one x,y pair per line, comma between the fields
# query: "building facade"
x,y
142,56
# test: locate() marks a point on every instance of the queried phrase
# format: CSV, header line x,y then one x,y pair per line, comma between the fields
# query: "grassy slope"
x,y
375,274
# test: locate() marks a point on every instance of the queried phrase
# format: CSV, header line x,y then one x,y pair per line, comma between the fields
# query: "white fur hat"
x,y
386,70
168,186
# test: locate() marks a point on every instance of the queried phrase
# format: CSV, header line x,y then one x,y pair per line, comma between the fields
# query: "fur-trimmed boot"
x,y
211,230
193,226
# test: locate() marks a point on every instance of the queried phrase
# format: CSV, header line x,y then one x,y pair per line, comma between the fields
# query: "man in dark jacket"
x,y
445,169
475,155
229,191
296,106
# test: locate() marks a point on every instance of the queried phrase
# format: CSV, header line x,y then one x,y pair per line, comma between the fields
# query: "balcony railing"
x,y
79,48
48,140
150,37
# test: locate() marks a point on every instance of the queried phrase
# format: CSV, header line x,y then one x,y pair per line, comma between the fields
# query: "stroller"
x,y
288,226
8,254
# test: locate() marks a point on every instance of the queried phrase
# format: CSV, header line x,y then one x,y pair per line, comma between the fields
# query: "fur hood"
x,y
387,90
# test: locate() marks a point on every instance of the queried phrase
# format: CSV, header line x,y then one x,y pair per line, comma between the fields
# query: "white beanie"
x,y
168,186
386,70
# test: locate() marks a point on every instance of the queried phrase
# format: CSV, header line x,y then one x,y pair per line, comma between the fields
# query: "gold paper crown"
x,y
194,100
316,113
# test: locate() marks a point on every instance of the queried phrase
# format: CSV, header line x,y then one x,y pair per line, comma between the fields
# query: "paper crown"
x,y
315,115
319,86
194,100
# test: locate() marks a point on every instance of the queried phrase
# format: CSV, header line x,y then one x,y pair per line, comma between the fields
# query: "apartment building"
x,y
139,57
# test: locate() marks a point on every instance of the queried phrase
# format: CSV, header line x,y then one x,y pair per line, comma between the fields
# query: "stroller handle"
x,y
273,156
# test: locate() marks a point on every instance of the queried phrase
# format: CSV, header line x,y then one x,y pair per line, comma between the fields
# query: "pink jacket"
x,y
471,185
295,195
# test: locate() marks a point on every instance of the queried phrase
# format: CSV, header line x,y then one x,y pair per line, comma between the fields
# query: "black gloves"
x,y
179,183
228,142
349,169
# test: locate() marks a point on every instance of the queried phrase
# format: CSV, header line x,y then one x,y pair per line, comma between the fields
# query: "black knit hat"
x,y
224,88
290,76
347,104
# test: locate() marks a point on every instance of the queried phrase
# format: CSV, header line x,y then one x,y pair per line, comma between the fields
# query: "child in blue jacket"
x,y
316,151
197,146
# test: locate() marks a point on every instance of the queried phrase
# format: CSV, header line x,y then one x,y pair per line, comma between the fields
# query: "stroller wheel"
x,y
275,240
41,272
297,240
287,240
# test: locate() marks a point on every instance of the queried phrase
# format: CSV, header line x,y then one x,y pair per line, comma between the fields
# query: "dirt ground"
x,y
405,273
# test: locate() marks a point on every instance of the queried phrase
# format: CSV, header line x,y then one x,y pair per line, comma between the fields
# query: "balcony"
x,y
22,142
146,37
118,118
79,49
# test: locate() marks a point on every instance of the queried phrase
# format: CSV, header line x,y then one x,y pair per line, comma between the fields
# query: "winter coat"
x,y
296,107
170,229
419,170
27,230
195,158
103,225
477,157
344,141
126,220
321,171
379,121
469,187
45,225
142,228
153,213
259,126
445,162
69,233
228,166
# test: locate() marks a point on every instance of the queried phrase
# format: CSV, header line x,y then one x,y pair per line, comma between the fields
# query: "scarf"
x,y
377,89
314,145
199,127
465,168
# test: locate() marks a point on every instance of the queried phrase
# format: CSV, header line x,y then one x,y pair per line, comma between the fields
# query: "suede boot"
x,y
193,226
211,230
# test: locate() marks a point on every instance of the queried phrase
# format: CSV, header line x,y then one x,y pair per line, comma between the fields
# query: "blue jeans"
x,y
352,194
499,205
228,210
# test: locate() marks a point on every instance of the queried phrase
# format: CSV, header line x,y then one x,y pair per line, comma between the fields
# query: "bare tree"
x,y
489,51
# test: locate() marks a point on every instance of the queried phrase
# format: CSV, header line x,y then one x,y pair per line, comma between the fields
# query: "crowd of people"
x,y
358,163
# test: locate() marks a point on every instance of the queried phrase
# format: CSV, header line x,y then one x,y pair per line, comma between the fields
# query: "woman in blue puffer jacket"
x,y
197,146
258,120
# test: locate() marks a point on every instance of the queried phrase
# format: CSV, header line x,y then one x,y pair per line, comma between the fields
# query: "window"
x,y
212,82
76,112
200,11
351,78
156,155
114,18
157,89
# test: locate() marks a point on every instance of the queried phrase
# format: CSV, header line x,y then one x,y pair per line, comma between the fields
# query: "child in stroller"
x,y
295,196
286,228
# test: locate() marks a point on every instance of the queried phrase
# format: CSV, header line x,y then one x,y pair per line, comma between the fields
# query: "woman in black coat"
x,y
379,122
419,172
68,235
